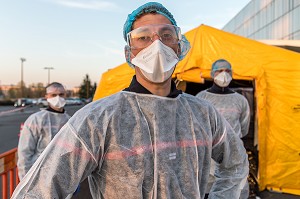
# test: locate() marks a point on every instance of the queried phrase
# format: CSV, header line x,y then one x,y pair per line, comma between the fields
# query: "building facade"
x,y
267,20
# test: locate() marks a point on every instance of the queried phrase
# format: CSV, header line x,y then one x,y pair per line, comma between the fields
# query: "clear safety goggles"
x,y
143,36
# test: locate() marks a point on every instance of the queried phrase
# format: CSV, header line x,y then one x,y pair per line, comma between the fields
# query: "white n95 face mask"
x,y
157,61
223,79
57,102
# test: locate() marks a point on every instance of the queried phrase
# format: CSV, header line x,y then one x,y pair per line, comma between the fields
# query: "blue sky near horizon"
x,y
78,37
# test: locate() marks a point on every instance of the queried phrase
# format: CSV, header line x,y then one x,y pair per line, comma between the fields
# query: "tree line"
x,y
37,90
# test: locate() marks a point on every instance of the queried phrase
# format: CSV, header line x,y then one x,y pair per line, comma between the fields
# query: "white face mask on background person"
x,y
157,61
223,79
57,102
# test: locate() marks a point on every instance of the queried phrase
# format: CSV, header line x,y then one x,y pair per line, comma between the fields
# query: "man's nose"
x,y
155,36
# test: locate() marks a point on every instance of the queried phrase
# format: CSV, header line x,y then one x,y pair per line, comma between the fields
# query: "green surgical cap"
x,y
220,64
146,8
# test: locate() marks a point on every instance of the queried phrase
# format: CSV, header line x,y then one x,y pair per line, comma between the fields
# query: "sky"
x,y
79,37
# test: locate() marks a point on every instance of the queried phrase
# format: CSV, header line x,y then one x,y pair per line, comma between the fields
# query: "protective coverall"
x,y
134,145
235,108
39,129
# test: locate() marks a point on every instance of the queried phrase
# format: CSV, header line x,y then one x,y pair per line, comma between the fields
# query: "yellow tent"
x,y
276,74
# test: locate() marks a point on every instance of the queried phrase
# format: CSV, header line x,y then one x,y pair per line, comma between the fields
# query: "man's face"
x,y
154,23
222,70
59,91
152,19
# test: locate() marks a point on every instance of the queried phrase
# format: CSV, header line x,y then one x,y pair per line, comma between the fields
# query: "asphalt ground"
x,y
10,122
11,119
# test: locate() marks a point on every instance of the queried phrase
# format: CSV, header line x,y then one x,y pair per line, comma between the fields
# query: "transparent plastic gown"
x,y
39,129
140,146
235,108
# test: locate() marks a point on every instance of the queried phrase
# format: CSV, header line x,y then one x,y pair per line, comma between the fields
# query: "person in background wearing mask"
x,y
41,127
147,141
233,106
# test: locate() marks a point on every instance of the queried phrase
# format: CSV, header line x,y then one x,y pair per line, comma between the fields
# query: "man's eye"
x,y
144,38
166,36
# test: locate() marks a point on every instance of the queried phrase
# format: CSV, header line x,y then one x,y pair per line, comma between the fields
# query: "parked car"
x,y
21,102
73,101
42,102
88,100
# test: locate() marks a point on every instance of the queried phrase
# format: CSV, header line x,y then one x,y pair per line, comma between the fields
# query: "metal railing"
x,y
8,172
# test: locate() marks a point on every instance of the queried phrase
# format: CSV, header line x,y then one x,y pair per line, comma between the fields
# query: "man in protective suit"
x,y
41,127
147,141
231,105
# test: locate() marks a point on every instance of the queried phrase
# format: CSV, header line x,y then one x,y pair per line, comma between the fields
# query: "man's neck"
x,y
220,90
59,110
160,89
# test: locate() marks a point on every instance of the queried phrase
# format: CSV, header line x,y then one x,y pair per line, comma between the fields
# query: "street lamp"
x,y
49,68
22,87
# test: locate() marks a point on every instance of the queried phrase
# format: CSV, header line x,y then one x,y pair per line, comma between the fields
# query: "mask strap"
x,y
178,50
128,55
